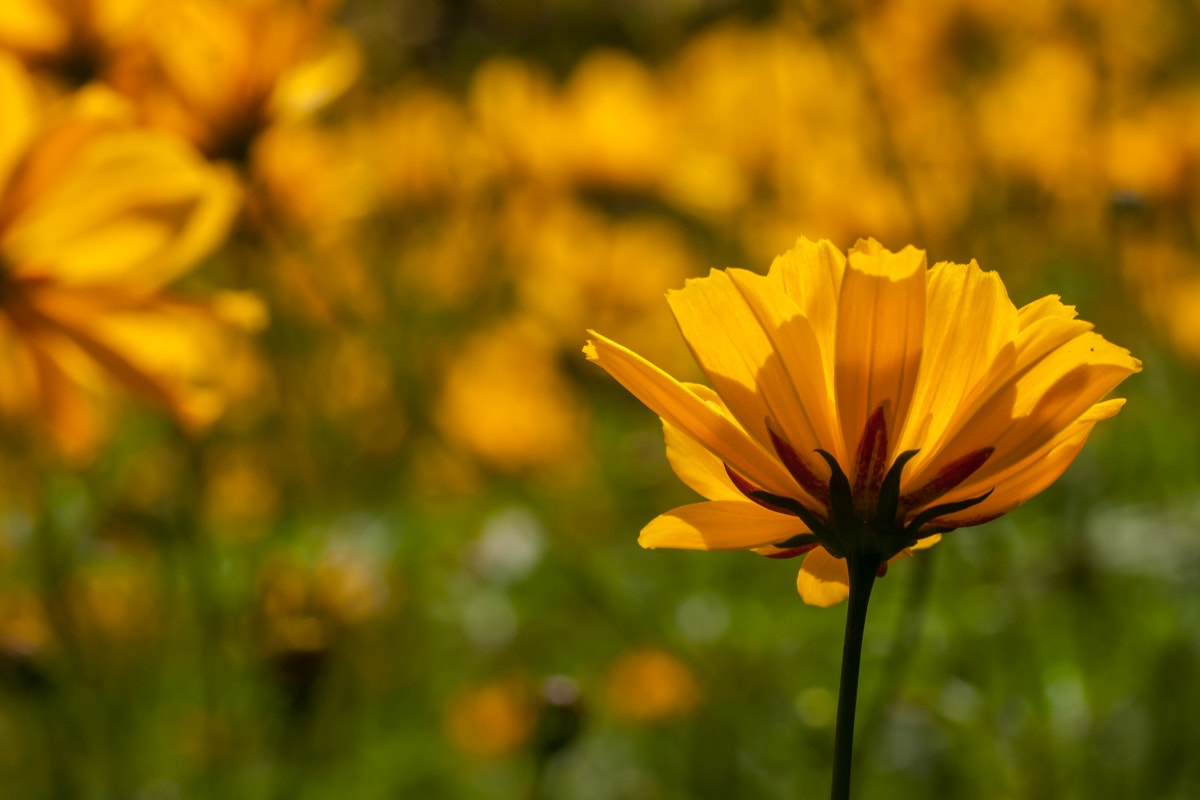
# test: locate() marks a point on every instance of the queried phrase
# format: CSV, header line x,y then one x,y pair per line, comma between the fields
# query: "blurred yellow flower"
x,y
76,38
862,406
573,263
620,131
96,216
491,720
505,399
422,148
650,685
1037,119
116,600
24,629
305,608
241,493
315,179
221,71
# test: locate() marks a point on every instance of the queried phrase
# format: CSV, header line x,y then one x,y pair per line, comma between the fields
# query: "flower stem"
x,y
862,578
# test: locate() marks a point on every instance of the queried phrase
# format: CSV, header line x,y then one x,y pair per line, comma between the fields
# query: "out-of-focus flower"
x,y
516,109
424,149
96,216
492,720
242,494
1166,278
572,263
219,72
505,400
306,607
114,601
862,406
620,128
315,179
1150,153
24,629
651,685
1037,119
76,38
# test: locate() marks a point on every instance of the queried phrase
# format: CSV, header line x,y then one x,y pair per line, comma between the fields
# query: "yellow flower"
x,y
77,38
492,720
862,406
221,71
651,685
505,400
96,217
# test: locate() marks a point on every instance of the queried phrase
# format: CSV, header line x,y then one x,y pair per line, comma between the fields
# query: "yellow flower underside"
x,y
991,397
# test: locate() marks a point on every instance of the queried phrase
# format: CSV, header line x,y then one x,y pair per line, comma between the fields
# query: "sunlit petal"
x,y
881,324
824,580
719,525
672,401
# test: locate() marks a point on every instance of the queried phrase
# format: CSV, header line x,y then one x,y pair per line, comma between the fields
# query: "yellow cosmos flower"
x,y
221,71
76,38
96,216
863,405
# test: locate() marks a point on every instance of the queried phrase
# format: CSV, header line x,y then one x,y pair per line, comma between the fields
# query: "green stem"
x,y
862,578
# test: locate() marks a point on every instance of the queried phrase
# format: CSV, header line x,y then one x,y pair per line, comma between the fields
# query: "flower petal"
x,y
1049,375
735,349
823,580
719,525
18,109
811,275
880,327
1031,475
797,356
927,542
968,320
692,461
682,408
137,208
1032,408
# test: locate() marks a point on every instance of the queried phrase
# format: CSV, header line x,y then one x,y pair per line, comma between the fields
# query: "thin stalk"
x,y
862,578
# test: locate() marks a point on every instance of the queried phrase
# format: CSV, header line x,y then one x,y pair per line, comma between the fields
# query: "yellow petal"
x,y
1026,478
927,542
319,80
968,320
719,525
1033,406
811,275
165,350
31,27
683,409
693,463
729,345
18,372
823,580
797,352
19,110
70,398
881,324
136,208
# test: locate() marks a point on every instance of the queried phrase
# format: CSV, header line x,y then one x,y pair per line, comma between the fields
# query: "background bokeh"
x,y
306,490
